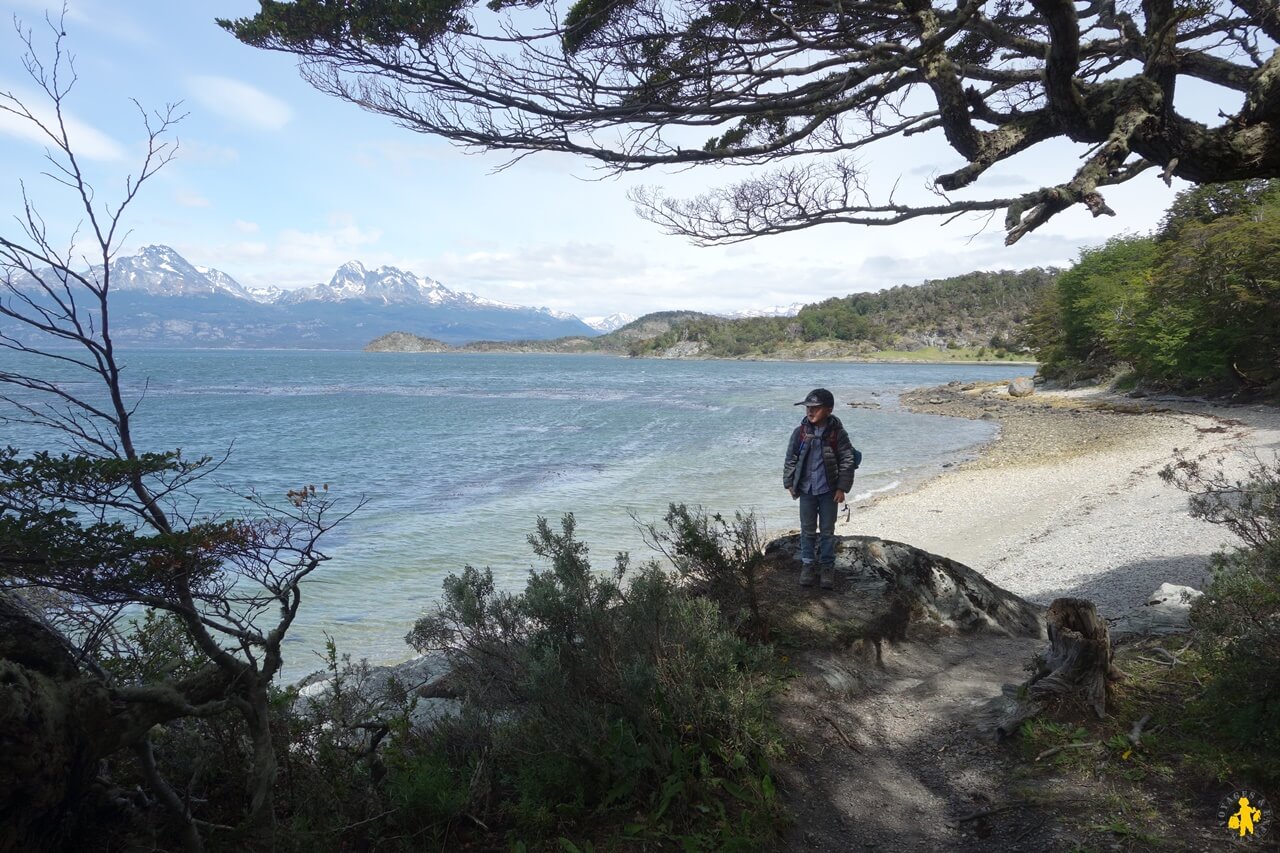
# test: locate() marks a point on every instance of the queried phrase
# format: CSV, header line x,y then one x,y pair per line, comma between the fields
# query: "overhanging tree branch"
x,y
643,83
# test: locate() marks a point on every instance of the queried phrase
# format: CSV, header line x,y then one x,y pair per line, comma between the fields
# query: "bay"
x,y
457,455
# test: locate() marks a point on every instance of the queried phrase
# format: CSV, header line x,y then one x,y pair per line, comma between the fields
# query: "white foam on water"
x,y
862,496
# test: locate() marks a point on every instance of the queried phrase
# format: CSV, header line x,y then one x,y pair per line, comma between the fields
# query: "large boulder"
x,y
55,728
384,689
883,587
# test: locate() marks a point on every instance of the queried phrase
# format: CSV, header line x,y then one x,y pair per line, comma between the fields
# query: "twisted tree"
x,y
806,85
105,529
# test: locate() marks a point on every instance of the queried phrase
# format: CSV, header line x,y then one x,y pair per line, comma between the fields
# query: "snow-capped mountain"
x,y
772,311
161,271
608,324
161,299
226,283
385,285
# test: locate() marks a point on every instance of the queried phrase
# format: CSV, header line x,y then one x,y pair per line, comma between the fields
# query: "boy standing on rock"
x,y
818,471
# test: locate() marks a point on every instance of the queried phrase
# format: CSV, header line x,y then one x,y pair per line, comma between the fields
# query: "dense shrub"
x,y
1238,618
718,558
609,696
592,705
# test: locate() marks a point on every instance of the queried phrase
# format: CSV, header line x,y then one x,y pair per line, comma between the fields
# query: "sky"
x,y
277,184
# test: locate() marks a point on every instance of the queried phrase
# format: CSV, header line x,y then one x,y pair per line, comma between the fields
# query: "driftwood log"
x,y
1078,667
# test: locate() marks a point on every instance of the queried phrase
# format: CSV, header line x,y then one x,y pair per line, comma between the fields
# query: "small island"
x,y
405,342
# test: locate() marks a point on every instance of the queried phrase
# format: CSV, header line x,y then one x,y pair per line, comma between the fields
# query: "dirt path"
x,y
897,757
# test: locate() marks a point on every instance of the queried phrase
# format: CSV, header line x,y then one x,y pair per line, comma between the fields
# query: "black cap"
x,y
819,397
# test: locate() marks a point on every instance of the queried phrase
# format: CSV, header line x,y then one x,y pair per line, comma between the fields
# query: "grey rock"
x,y
1167,611
1023,386
385,687
884,585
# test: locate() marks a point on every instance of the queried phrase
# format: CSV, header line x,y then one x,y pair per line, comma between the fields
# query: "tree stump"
x,y
1078,667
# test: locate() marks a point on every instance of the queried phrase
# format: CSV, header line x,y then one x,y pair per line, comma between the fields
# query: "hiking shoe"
x,y
807,574
828,577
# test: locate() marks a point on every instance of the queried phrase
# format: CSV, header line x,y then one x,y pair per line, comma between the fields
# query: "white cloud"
x,y
239,102
404,159
193,151
290,258
111,22
186,198
86,140
520,267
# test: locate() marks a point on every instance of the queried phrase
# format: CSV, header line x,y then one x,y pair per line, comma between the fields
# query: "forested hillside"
x,y
975,310
977,314
1193,305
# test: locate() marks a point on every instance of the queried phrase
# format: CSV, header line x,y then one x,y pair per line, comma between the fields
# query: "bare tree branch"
x,y
109,527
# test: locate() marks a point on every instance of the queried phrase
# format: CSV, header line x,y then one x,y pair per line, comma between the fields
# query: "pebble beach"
x,y
1067,500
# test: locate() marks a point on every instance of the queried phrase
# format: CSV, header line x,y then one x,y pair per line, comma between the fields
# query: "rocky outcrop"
x,y
884,587
682,349
383,690
1166,611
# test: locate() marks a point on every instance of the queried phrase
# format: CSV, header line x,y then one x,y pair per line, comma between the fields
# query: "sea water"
x,y
455,456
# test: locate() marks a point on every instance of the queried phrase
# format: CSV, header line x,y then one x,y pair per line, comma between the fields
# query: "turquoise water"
x,y
457,455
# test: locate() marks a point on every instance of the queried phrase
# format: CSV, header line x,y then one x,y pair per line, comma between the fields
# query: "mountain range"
x,y
160,299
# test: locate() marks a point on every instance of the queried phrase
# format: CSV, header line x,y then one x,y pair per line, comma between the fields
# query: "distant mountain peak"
x,y
160,270
772,311
610,323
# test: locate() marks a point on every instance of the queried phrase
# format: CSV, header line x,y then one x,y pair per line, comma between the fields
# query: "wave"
x,y
862,496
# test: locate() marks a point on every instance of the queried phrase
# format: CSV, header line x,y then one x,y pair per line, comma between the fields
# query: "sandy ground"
x,y
1068,500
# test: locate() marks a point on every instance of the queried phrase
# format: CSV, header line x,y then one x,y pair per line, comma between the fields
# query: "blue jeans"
x,y
818,514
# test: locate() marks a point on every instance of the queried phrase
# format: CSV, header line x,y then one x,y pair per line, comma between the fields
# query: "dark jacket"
x,y
839,459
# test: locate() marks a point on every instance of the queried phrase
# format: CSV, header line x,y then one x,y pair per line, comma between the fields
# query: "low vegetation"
x,y
589,709
974,316
973,311
619,702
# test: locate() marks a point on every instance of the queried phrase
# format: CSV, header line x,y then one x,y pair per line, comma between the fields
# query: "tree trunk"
x,y
50,725
1077,669
263,768
57,724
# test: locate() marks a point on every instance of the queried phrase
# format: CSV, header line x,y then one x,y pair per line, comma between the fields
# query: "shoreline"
x,y
462,350
1067,499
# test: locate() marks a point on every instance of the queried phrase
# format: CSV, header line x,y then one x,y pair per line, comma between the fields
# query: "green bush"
x,y
603,696
720,559
1190,307
1237,620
